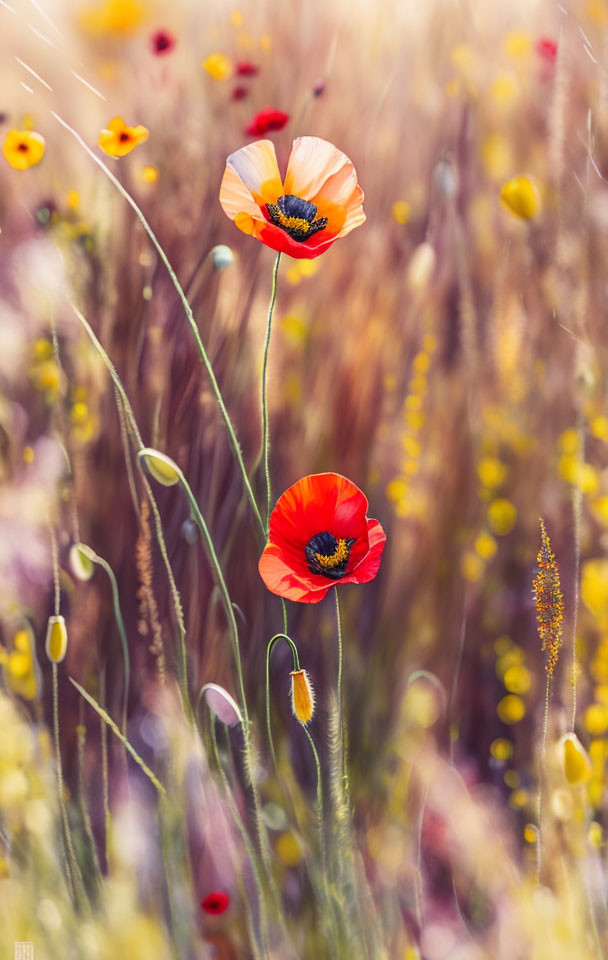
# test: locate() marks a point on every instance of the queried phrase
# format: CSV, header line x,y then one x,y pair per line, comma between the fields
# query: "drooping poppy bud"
x,y
302,696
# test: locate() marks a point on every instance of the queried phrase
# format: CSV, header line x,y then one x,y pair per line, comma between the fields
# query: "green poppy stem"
x,y
265,427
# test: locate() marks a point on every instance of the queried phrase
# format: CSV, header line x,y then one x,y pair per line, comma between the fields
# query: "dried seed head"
x,y
56,639
302,696
549,602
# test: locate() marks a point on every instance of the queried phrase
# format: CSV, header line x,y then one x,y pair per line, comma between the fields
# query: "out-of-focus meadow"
x,y
449,356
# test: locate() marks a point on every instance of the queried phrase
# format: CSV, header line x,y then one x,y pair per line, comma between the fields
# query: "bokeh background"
x,y
448,357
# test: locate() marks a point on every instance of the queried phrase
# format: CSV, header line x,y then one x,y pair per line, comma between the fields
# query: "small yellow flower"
x,y
119,139
401,211
520,196
150,174
56,639
218,66
502,516
302,696
23,149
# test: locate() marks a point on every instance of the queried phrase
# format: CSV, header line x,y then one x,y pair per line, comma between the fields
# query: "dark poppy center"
x,y
124,136
23,147
162,42
296,217
328,556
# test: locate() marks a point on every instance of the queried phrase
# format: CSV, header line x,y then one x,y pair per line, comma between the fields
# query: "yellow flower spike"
x,y
302,696
118,139
56,639
549,602
574,759
23,149
218,66
520,197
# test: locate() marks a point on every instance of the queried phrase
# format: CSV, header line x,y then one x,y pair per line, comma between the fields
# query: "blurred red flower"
x,y
546,48
162,42
319,201
265,121
215,902
244,68
320,536
239,93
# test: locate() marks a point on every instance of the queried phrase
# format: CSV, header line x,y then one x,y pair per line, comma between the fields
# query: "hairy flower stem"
x,y
132,424
189,317
265,427
339,702
541,777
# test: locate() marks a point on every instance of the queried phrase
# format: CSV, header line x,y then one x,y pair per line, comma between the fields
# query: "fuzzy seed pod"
x,y
302,696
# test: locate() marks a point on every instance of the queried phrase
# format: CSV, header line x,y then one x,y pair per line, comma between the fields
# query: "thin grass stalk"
x,y
81,733
107,719
188,312
541,778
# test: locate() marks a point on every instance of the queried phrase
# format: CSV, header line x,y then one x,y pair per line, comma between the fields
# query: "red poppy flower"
x,y
215,902
547,49
320,536
265,121
162,42
318,202
244,68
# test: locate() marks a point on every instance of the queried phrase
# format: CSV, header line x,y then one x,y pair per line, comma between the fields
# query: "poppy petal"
x,y
311,163
369,566
279,576
323,501
256,165
279,240
238,203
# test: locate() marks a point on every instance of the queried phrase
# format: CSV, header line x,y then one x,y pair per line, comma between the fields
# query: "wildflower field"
x,y
303,480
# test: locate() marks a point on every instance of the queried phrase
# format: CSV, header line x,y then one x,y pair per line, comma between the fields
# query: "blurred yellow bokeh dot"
x,y
485,545
472,566
517,44
594,587
150,174
497,156
512,779
596,719
501,749
595,834
491,471
511,709
73,199
569,441
288,850
401,211
504,88
521,197
28,454
236,19
530,833
517,679
599,427
518,798
218,66
411,446
421,703
308,268
396,489
599,508
501,516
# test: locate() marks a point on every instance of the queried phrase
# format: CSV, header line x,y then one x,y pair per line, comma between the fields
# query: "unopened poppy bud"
x,y
302,696
80,562
160,466
520,196
222,256
575,759
56,639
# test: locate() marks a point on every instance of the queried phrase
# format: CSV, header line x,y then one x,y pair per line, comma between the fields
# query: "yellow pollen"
x,y
339,555
293,223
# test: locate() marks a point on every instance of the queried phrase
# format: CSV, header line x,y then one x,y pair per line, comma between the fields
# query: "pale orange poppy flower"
x,y
319,201
119,139
23,148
